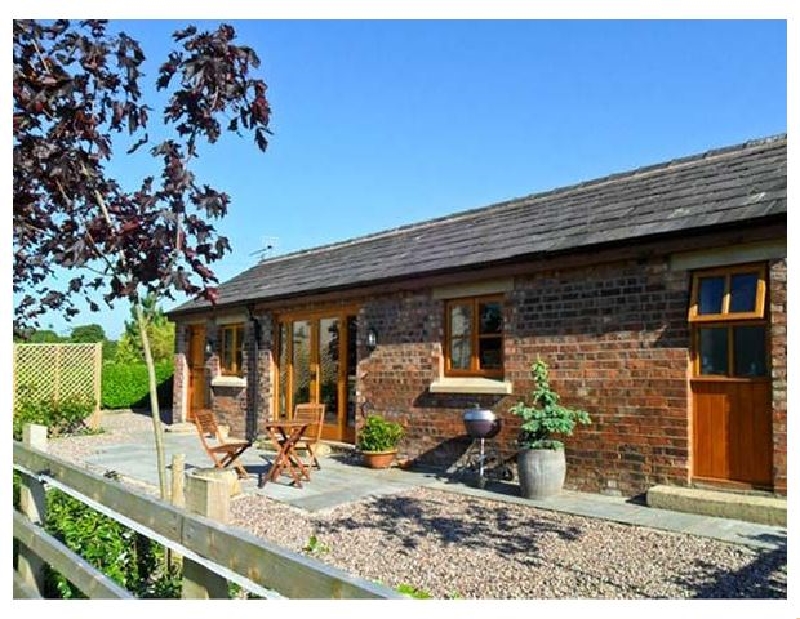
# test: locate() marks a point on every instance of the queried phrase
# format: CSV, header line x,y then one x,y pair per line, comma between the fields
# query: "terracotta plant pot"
x,y
379,459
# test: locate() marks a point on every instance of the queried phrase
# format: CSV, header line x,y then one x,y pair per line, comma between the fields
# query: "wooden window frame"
x,y
226,331
731,364
475,337
728,320
727,273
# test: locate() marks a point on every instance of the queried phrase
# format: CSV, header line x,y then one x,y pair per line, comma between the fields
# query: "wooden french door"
x,y
196,362
731,387
316,357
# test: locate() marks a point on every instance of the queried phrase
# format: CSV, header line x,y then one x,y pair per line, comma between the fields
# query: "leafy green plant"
x,y
315,547
126,385
130,559
65,416
545,417
412,591
378,434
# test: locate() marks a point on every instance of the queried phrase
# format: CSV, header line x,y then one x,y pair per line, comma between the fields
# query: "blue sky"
x,y
383,123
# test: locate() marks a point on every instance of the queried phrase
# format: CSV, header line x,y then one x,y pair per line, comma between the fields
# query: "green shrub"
x,y
127,385
378,434
545,417
130,559
65,416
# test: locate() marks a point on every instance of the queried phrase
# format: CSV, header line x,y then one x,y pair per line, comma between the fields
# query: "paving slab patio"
x,y
343,480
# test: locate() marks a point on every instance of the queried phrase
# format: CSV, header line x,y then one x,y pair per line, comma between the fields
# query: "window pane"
x,y
491,318
712,289
460,340
491,353
460,353
301,361
352,358
239,352
239,360
283,362
750,351
227,349
460,321
329,368
743,292
714,351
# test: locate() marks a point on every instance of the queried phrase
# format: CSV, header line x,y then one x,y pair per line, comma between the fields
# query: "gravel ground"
x,y
453,545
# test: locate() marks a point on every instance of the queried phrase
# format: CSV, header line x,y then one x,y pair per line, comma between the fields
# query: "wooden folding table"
x,y
285,435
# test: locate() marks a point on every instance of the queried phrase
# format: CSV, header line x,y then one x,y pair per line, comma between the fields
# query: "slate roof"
x,y
731,185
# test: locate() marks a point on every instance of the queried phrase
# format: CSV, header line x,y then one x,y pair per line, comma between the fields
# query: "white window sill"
x,y
228,381
471,385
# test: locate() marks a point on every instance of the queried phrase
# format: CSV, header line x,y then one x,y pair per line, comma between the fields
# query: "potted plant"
x,y
540,461
377,441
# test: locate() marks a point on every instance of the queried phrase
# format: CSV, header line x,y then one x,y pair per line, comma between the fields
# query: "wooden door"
x,y
196,362
731,387
732,431
316,357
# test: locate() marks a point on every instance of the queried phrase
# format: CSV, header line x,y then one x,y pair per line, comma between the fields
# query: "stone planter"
x,y
541,472
379,459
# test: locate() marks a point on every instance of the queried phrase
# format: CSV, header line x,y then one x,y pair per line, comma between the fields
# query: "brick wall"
x,y
777,309
395,377
617,343
616,339
180,380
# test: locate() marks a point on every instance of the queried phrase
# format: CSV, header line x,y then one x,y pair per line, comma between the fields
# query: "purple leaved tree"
x,y
77,85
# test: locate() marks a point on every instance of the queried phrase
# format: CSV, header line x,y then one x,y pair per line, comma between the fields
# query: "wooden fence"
x,y
55,371
212,552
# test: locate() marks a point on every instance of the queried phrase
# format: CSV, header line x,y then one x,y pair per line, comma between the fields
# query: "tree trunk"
x,y
159,432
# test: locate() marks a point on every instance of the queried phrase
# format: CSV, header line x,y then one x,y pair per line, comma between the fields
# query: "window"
x,y
728,313
474,337
231,346
735,293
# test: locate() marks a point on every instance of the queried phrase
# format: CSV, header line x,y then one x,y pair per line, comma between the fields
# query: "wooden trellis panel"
x,y
45,371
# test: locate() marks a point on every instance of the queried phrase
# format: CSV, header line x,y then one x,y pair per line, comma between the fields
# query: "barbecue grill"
x,y
480,425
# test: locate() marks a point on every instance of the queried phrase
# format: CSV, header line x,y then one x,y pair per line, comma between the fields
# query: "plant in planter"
x,y
378,440
540,461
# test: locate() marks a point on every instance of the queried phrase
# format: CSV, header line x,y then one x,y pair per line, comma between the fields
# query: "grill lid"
x,y
475,414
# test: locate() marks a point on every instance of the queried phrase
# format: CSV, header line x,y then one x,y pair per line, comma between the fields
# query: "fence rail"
x,y
56,371
231,550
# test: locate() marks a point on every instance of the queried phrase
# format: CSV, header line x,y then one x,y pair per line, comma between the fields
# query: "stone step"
x,y
769,510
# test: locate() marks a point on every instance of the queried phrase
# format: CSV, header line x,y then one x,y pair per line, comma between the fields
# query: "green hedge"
x,y
126,385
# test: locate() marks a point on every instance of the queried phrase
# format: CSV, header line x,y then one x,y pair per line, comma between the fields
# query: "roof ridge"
x,y
513,202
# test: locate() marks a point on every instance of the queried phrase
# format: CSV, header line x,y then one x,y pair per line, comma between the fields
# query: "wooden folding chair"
x,y
225,453
314,414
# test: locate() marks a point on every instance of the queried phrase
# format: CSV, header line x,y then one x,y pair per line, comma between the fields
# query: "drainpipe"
x,y
251,416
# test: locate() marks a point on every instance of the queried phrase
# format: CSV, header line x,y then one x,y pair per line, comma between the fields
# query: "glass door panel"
x,y
350,373
316,361
284,388
329,369
303,387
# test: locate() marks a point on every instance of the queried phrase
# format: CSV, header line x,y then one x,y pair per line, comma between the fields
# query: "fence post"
x,y
97,378
33,505
178,499
208,497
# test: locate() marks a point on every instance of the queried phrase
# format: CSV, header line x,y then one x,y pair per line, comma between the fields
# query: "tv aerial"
x,y
269,247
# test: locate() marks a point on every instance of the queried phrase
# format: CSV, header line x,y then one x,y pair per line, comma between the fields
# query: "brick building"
x,y
657,297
